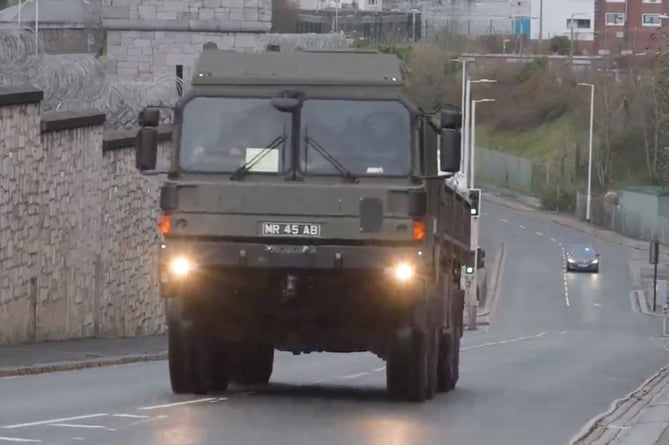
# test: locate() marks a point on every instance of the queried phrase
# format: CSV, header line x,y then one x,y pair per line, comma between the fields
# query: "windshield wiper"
x,y
328,157
244,169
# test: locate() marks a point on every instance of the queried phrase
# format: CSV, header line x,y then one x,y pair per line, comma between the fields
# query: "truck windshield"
x,y
220,134
368,137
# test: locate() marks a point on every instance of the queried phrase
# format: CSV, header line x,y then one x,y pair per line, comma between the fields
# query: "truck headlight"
x,y
403,272
181,266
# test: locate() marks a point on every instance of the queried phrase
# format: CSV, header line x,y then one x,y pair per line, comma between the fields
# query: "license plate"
x,y
291,229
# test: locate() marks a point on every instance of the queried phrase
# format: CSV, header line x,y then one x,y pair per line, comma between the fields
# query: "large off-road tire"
x,y
255,365
448,372
189,358
432,364
448,369
407,366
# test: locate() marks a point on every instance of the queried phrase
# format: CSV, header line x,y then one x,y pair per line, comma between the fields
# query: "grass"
x,y
543,142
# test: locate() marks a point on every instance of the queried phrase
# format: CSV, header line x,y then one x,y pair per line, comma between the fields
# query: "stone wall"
x,y
146,39
77,226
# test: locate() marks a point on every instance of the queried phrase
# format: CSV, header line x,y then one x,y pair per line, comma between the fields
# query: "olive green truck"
x,y
303,211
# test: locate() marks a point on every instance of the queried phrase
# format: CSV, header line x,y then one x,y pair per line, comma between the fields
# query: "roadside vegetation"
x,y
541,112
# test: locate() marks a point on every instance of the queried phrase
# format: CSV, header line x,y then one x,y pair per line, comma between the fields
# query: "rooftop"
x,y
300,67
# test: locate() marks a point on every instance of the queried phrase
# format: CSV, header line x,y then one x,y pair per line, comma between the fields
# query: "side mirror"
x,y
146,149
285,104
451,119
149,117
449,151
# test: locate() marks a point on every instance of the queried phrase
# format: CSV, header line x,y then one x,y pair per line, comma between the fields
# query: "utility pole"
x,y
541,26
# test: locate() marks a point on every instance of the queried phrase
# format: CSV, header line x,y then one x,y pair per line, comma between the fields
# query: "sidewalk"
x,y
79,354
640,418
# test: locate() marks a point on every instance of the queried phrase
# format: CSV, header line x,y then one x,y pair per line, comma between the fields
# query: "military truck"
x,y
302,211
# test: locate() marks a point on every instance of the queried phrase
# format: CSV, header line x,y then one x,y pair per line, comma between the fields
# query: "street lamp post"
x,y
473,300
462,107
472,150
467,127
592,120
571,36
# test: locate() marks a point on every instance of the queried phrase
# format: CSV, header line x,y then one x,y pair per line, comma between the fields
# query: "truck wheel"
x,y
255,365
188,358
219,365
432,365
449,362
406,367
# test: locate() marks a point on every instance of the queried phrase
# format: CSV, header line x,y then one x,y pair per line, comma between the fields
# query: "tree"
x,y
285,16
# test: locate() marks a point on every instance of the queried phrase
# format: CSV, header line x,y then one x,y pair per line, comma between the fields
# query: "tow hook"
x,y
290,289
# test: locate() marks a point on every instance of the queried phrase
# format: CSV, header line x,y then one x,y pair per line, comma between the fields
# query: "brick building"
x,y
630,25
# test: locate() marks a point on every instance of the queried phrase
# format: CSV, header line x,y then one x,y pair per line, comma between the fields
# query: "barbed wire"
x,y
80,81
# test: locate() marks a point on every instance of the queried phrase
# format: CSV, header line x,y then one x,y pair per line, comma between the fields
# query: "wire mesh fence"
x,y
626,222
80,81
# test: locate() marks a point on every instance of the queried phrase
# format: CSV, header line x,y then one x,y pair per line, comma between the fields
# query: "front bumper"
x,y
586,267
257,267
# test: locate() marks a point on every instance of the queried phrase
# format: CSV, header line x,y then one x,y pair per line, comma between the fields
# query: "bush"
x,y
562,199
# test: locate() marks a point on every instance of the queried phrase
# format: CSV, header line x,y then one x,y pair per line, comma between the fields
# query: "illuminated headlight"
x,y
181,266
403,272
595,261
469,270
569,260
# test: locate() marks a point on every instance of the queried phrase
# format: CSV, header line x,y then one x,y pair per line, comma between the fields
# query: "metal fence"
x,y
513,172
615,217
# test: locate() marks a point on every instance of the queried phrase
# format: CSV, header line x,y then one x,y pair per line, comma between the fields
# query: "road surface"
x,y
559,350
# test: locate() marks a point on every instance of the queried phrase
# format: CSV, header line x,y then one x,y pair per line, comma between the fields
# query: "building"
x,y
565,18
64,26
478,18
630,26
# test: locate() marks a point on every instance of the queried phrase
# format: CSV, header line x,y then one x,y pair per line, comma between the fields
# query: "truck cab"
x,y
303,211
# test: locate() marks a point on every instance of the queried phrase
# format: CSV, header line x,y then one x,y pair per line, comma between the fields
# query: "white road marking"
x,y
503,342
382,368
170,405
539,233
563,332
553,239
131,416
75,425
522,226
564,277
46,422
598,304
19,439
504,220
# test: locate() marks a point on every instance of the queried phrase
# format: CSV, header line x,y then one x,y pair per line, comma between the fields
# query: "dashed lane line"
x,y
539,233
564,277
46,422
187,402
19,439
504,220
82,426
522,227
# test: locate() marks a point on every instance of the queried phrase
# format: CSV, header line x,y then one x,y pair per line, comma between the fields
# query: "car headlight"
x,y
181,266
595,261
403,272
569,260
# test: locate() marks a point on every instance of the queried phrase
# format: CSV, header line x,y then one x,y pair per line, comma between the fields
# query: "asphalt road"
x,y
549,362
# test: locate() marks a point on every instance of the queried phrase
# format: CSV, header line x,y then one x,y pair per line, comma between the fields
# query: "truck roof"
x,y
303,67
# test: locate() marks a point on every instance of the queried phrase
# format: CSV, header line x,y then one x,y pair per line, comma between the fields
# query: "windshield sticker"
x,y
269,162
374,170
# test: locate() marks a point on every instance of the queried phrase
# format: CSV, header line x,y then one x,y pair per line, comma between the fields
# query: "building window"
x,y
615,18
578,23
651,20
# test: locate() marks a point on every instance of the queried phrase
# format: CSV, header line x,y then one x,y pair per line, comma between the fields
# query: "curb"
x,y
80,364
644,306
493,283
629,406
